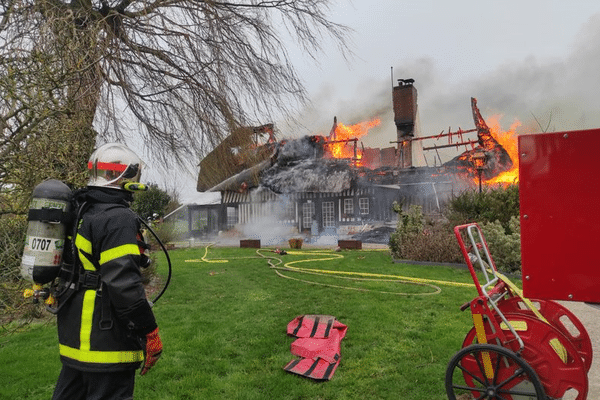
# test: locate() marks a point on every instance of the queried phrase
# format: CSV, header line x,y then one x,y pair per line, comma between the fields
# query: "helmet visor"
x,y
113,172
120,165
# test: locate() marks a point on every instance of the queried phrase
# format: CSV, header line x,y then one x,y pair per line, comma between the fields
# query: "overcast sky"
x,y
520,59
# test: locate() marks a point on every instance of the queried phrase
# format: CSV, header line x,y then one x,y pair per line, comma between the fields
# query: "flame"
x,y
341,142
508,140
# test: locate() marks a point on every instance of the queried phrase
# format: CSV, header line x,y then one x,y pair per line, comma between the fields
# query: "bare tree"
x,y
50,85
183,72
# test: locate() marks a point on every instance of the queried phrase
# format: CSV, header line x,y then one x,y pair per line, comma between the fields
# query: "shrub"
x,y
504,244
494,204
496,210
436,243
417,239
12,241
152,203
410,224
12,305
167,232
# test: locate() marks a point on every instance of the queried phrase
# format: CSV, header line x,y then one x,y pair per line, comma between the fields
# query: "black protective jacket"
x,y
103,324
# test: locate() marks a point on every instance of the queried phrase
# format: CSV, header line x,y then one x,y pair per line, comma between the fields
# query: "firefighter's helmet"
x,y
112,165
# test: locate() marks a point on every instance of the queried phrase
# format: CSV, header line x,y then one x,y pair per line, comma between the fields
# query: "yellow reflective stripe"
x,y
87,319
105,357
87,264
482,338
119,251
85,245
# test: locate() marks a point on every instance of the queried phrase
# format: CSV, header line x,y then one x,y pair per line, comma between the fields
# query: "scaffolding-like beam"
x,y
468,142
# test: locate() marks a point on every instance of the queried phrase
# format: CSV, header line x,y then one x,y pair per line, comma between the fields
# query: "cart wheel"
x,y
485,371
559,316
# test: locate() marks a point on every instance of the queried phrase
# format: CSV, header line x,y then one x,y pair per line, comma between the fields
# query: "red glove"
x,y
153,350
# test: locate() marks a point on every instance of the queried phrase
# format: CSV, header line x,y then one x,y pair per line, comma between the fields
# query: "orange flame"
x,y
341,145
508,140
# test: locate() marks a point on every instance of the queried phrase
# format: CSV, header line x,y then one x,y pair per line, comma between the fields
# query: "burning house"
x,y
318,184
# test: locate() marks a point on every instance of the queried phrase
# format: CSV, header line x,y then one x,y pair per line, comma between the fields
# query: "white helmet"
x,y
112,165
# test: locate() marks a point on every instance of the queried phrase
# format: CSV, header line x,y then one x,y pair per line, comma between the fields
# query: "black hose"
x,y
164,249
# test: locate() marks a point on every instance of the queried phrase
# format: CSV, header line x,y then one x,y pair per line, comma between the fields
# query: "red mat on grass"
x,y
317,346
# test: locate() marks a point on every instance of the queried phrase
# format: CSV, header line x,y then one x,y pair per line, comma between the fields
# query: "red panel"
x,y
560,215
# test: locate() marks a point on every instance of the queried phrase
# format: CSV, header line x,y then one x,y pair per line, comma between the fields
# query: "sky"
x,y
534,62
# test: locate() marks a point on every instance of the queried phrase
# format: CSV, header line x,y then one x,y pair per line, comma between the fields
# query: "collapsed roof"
x,y
251,157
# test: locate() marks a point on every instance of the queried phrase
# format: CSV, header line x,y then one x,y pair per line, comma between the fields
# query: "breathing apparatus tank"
x,y
46,232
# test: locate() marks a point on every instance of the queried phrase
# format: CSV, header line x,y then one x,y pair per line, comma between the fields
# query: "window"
x,y
199,219
328,214
232,217
308,214
290,210
348,208
363,204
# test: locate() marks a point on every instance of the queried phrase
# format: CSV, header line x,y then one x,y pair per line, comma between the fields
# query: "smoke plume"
x,y
549,95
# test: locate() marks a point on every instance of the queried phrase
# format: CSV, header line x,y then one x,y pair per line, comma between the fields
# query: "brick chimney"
x,y
405,114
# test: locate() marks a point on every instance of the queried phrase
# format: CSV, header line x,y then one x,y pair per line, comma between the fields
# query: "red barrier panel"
x,y
559,190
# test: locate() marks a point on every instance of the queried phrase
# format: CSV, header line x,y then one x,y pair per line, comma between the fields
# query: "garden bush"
x,y
423,239
493,204
496,210
12,241
409,226
12,306
504,244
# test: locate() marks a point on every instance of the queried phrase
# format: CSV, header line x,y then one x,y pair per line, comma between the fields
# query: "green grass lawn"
x,y
223,325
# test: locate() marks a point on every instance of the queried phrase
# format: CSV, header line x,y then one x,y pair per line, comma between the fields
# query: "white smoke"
x,y
269,230
270,227
549,95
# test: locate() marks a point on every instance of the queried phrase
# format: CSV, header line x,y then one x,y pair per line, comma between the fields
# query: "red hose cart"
x,y
525,345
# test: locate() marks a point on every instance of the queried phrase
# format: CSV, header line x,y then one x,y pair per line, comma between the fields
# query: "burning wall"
x,y
489,158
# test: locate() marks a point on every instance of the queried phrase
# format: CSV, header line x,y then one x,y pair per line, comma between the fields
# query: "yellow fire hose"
x,y
356,276
368,274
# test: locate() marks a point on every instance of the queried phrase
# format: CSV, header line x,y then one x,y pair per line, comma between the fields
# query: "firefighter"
x,y
106,328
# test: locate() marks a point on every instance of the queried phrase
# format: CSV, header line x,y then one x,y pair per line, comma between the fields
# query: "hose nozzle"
x,y
38,292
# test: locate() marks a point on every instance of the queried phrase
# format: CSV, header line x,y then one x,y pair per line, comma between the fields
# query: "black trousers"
x,y
78,385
